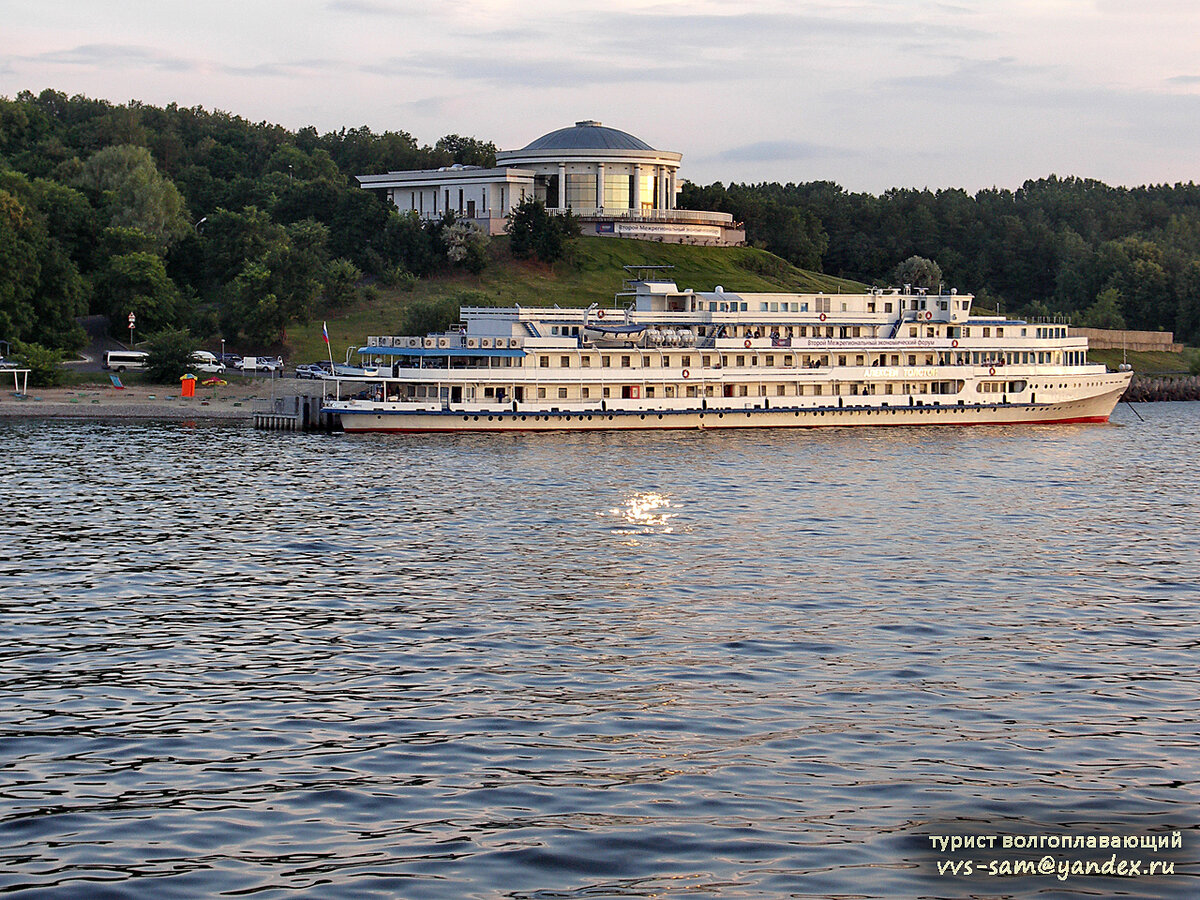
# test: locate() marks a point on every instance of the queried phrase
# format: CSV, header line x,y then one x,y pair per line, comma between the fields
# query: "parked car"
x,y
230,360
311,371
269,363
206,363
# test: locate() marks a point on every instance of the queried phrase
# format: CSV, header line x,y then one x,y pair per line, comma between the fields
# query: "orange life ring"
x,y
954,343
992,370
686,373
600,313
822,317
746,344
928,314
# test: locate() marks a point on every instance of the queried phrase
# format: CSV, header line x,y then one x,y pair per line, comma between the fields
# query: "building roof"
x,y
588,135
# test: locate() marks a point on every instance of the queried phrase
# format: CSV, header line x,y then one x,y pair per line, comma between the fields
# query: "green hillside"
x,y
593,274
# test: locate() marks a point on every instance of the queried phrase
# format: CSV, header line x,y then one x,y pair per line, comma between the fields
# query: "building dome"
x,y
588,135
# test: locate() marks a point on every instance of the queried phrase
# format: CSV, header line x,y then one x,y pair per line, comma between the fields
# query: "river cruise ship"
x,y
661,357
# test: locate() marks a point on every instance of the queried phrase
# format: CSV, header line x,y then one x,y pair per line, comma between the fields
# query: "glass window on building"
x,y
618,191
581,191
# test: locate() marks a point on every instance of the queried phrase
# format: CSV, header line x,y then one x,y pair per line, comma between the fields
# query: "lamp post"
x,y
132,319
222,351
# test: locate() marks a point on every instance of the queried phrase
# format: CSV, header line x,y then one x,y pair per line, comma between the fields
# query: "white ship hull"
x,y
367,416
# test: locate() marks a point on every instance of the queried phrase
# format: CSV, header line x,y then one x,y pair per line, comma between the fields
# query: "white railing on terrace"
x,y
650,215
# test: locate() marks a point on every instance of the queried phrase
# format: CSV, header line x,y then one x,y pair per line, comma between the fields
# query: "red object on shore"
x,y
187,386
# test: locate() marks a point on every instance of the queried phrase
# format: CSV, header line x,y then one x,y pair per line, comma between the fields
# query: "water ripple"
x,y
736,665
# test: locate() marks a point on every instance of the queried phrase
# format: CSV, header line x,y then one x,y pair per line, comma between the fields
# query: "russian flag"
x,y
325,333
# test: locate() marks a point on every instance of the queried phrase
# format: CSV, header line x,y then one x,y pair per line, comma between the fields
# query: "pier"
x,y
301,412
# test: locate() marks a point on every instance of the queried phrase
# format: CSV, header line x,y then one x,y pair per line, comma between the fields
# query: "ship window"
x,y
541,393
745,307
741,360
562,393
724,360
887,307
860,360
585,393
706,361
606,361
787,360
803,307
607,392
818,390
1023,331
626,362
780,390
669,391
691,390
586,360
841,360
870,306
774,307
645,362
856,331
565,362
912,360
770,361
686,362
887,388
912,332
742,390
829,331
762,307
966,332
999,332
544,362
987,332
843,307
649,391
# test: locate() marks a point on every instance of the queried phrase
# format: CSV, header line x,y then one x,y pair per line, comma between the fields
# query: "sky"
x,y
871,94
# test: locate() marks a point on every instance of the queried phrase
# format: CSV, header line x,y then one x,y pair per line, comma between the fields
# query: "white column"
x,y
562,185
637,188
599,185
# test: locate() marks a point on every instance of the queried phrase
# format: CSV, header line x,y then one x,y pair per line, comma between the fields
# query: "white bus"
x,y
120,360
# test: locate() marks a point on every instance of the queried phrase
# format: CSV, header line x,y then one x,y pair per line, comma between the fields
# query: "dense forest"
x,y
1105,256
202,220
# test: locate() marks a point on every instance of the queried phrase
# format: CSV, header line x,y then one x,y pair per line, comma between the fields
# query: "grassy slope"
x,y
593,275
1153,362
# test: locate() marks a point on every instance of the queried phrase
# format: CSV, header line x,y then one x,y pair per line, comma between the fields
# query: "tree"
x,y
466,245
138,283
919,272
131,192
43,363
341,276
536,233
1105,312
20,270
170,356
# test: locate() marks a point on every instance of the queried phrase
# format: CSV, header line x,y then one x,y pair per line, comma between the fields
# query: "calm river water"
x,y
608,665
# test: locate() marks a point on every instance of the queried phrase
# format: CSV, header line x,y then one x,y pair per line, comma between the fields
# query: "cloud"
x,y
778,151
105,55
1184,79
522,70
365,8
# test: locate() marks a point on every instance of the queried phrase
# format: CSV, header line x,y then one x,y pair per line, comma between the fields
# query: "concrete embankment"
x,y
1144,389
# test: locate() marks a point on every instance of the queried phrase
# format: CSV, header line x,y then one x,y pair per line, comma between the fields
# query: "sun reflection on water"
x,y
643,513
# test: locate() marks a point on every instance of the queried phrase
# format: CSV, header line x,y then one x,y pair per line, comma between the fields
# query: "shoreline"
x,y
228,403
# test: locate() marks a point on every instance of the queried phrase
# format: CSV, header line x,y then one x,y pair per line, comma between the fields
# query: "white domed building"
x,y
614,183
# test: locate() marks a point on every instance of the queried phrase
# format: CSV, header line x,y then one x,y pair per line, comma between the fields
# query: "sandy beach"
x,y
91,401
